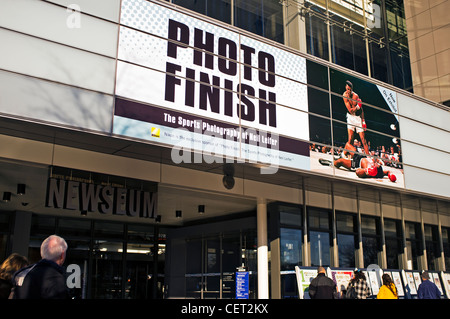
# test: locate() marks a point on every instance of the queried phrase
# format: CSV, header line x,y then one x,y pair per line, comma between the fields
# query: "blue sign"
x,y
242,285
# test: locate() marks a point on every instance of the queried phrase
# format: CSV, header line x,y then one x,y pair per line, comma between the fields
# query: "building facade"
x,y
172,143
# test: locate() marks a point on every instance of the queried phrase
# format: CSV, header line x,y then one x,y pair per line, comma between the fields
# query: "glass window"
x,y
432,245
262,17
78,254
4,233
319,236
4,221
74,227
320,248
392,228
290,248
413,244
318,102
368,225
370,249
345,223
346,250
392,253
318,219
137,232
320,132
290,215
317,74
348,46
370,239
42,225
345,226
316,32
108,230
217,9
446,242
393,236
107,270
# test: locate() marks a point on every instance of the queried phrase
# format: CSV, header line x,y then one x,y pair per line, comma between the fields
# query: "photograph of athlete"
x,y
364,166
355,116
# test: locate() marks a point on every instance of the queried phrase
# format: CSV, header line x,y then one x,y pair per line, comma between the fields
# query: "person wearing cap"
x,y
427,289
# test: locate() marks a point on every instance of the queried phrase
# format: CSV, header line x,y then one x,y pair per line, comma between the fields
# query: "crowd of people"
x,y
45,279
323,287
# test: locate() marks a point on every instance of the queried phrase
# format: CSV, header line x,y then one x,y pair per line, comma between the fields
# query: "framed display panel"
x,y
304,277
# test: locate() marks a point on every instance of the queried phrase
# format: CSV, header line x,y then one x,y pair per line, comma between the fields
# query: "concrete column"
x,y
294,24
441,259
263,261
382,258
305,250
423,261
359,254
334,249
21,237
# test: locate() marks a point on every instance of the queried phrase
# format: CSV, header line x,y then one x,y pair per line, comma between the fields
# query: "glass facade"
x,y
319,248
262,17
374,44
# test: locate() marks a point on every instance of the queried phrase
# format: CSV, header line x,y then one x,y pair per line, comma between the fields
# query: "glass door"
x,y
212,262
203,269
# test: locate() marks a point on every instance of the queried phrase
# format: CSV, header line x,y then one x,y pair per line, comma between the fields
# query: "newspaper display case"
x,y
304,277
341,276
445,276
434,277
406,281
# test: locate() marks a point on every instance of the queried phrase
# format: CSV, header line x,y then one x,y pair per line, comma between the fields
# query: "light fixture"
x,y
158,218
178,213
6,196
228,178
201,209
228,182
84,213
21,189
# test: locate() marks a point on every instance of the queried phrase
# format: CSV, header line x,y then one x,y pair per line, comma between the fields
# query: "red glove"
x,y
371,170
359,104
364,125
392,177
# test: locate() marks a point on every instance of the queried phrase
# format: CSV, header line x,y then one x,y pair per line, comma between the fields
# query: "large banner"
x,y
198,87
361,138
215,95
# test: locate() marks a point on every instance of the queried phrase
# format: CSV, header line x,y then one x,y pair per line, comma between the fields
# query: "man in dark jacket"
x,y
322,287
44,279
427,289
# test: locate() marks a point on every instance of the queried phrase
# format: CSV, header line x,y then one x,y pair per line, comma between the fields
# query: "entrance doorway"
x,y
211,263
